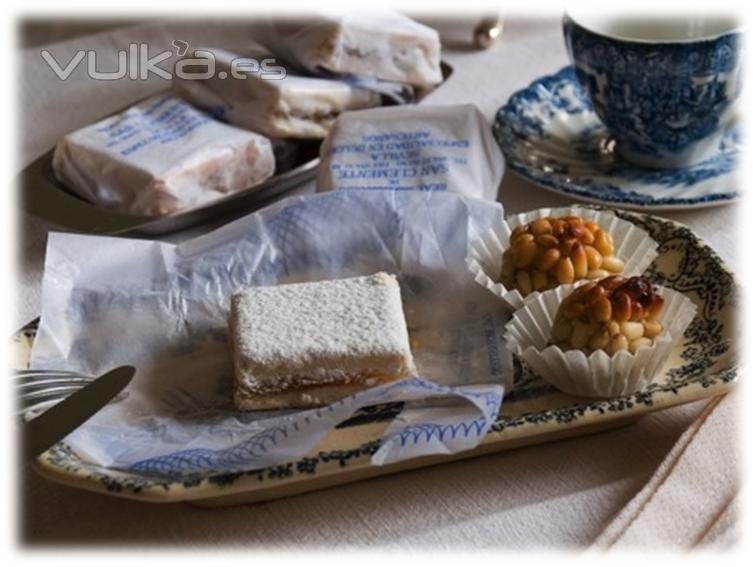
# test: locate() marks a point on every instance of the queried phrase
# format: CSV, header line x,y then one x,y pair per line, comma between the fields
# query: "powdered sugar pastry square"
x,y
308,344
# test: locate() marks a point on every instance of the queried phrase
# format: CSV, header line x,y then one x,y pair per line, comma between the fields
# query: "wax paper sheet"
x,y
162,308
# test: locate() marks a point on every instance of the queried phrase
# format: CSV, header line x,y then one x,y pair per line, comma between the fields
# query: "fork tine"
x,y
48,382
39,389
61,391
29,373
40,407
23,408
50,399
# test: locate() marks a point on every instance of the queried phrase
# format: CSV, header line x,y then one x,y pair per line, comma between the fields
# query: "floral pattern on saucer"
x,y
551,135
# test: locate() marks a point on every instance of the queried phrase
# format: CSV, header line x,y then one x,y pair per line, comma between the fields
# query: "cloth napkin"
x,y
692,498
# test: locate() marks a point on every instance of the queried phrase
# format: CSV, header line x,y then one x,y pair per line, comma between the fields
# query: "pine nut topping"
x,y
612,314
554,251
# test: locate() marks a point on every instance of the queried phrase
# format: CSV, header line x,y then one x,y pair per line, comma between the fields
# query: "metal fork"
x,y
38,390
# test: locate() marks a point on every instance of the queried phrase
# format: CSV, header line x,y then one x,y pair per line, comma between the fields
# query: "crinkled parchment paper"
x,y
163,308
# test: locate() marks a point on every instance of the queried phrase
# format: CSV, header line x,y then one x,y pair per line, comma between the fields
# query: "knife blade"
x,y
54,424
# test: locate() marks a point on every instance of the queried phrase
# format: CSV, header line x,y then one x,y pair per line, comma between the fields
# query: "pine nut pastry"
x,y
551,251
534,252
612,314
310,344
600,339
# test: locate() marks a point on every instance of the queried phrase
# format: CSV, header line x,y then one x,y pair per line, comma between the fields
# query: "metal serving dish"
x,y
44,196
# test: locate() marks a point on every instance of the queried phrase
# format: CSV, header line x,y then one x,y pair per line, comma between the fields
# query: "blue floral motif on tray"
x,y
251,451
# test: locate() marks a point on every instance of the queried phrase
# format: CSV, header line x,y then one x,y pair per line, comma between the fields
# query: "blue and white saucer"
x,y
551,135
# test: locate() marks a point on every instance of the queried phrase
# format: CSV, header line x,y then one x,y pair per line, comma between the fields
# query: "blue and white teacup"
x,y
665,88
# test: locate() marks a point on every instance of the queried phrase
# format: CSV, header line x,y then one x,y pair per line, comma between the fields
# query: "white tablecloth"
x,y
624,487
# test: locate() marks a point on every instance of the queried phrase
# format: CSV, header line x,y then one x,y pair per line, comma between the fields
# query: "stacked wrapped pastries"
x,y
234,117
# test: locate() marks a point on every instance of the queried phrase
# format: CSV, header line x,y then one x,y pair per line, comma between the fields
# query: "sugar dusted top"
x,y
295,324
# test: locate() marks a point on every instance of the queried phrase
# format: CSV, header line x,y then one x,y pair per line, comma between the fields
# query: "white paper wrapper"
x,y
631,244
163,308
378,43
528,335
159,157
423,148
292,106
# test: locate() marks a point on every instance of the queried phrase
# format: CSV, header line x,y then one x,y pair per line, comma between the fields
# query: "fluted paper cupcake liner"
x,y
631,244
528,335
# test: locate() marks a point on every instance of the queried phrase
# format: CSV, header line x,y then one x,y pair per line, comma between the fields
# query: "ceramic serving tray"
x,y
44,196
702,365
